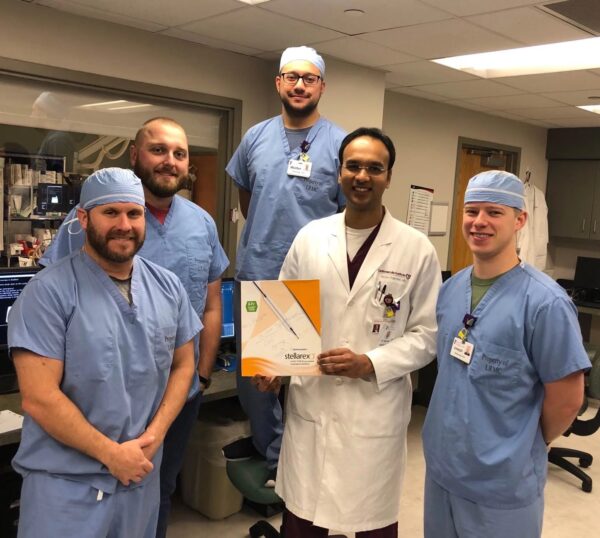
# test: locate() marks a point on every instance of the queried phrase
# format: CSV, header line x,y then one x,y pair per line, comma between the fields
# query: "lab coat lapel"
x,y
337,251
378,253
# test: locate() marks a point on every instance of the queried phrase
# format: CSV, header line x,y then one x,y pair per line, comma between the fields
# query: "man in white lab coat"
x,y
344,446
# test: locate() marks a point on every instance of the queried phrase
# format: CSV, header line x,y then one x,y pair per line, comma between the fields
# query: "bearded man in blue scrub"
x,y
286,171
103,345
183,238
510,379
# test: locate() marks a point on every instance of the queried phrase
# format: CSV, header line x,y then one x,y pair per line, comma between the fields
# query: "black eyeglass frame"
x,y
300,77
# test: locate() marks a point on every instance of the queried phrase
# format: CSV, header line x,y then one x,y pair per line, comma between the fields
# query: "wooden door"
x,y
471,163
204,190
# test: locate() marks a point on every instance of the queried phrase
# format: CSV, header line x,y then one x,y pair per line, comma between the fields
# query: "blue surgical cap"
x,y
307,54
111,185
496,187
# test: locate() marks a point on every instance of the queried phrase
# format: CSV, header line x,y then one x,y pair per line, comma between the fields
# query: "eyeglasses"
x,y
370,169
308,79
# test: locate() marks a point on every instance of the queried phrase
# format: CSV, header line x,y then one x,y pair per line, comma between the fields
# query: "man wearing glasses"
x,y
344,446
286,171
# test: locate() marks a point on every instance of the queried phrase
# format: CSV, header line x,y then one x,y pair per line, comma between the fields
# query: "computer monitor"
x,y
587,273
12,282
51,198
227,326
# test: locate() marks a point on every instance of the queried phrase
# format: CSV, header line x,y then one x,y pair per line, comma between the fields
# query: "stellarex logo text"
x,y
295,356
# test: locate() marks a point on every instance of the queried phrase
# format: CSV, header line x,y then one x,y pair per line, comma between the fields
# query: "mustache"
x,y
121,235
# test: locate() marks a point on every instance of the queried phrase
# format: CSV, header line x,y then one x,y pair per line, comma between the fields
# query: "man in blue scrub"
x,y
510,379
182,237
103,345
286,171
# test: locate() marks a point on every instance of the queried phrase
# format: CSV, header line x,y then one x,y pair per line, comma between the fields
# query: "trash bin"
x,y
205,486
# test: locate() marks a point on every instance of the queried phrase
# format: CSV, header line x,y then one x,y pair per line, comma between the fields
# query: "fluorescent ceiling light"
x,y
127,107
591,108
252,2
553,58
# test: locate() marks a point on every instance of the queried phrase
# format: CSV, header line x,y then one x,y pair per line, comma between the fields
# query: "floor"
x,y
569,511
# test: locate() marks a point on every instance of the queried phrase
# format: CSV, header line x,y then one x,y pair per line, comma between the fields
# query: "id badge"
x,y
463,351
299,168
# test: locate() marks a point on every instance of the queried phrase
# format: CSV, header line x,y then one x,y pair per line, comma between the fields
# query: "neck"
x,y
490,268
292,122
119,270
156,201
363,219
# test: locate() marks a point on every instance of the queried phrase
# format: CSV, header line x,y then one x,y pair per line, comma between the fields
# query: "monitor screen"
x,y
12,282
587,273
227,327
51,198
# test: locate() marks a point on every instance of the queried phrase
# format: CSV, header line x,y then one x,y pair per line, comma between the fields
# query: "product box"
x,y
281,327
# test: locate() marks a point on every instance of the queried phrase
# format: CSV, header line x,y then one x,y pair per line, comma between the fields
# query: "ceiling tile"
x,y
566,81
468,89
162,13
260,29
576,98
550,113
209,41
507,102
529,25
379,14
472,7
418,93
356,50
441,39
423,72
99,14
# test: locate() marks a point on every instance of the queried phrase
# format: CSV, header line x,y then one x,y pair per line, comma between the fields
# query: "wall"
x,y
426,134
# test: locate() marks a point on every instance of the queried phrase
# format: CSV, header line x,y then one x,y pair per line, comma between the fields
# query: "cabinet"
x,y
573,197
23,176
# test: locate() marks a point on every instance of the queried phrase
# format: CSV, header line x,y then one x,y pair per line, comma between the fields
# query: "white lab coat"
x,y
344,444
532,239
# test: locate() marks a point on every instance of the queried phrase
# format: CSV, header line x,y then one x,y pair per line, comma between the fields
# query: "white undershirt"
x,y
355,239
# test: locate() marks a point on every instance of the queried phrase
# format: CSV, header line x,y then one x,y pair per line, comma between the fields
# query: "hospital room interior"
x,y
79,77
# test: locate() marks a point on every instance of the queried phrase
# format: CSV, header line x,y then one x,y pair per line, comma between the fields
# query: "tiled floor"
x,y
569,511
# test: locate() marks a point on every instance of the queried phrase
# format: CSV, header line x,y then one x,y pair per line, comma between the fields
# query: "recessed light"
x,y
591,108
354,12
552,58
253,2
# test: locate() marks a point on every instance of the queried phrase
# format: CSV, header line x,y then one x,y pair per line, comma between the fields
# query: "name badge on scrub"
x,y
462,350
299,168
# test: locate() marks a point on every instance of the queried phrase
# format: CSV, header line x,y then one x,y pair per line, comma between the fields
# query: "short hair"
x,y
145,127
370,132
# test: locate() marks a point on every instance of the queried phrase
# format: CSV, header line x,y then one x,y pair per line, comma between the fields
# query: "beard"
x,y
101,244
158,187
294,112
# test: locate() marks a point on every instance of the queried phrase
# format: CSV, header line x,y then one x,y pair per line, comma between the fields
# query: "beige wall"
x,y
426,134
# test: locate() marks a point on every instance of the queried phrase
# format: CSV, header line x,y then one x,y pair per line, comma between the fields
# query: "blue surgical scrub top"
x,y
187,244
117,357
482,437
281,204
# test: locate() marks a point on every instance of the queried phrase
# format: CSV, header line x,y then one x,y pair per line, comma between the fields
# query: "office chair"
x,y
558,456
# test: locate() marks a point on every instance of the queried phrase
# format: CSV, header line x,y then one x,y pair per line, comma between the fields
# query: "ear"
x,y
323,87
389,179
521,220
278,83
133,153
82,215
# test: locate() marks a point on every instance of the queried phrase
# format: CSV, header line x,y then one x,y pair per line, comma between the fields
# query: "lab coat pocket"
x,y
164,346
380,413
495,366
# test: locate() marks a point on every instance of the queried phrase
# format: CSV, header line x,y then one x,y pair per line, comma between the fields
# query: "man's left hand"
x,y
343,361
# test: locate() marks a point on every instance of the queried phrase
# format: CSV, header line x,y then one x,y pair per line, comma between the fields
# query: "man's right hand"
x,y
127,461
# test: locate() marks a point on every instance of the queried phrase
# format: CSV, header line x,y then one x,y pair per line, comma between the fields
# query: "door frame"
x,y
482,145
